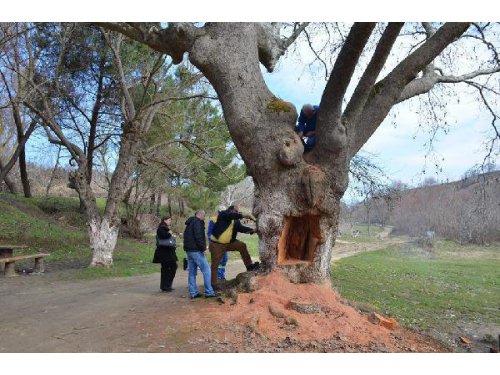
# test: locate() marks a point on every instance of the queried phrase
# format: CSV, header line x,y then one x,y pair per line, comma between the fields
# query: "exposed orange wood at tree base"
x,y
299,239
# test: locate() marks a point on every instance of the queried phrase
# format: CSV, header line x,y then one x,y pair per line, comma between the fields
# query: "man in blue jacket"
x,y
223,239
306,126
195,245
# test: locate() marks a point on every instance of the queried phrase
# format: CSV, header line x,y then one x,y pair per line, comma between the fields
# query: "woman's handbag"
x,y
166,242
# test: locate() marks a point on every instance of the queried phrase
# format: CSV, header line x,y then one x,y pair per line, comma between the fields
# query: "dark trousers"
x,y
168,270
217,250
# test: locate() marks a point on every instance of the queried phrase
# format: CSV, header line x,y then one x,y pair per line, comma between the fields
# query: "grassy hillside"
x,y
55,225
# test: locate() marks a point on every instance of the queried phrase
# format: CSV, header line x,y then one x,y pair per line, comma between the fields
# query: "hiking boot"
x,y
253,267
216,294
198,295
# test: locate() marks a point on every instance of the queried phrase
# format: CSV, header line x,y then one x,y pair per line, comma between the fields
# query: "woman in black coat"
x,y
165,255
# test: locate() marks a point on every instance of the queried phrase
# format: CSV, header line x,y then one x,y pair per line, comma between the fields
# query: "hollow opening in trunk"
x,y
299,239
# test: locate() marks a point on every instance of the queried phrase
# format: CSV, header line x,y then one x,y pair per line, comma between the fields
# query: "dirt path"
x,y
50,314
345,249
106,315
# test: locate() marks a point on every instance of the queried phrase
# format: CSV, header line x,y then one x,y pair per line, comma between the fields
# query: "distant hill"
x,y
467,210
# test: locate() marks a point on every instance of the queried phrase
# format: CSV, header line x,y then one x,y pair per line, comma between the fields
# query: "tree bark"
x,y
8,182
158,204
24,175
53,174
152,203
103,238
22,154
94,121
103,230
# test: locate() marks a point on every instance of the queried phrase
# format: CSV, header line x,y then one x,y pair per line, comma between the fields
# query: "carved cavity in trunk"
x,y
299,239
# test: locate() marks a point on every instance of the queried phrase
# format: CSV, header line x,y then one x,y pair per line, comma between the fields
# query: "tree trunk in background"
x,y
54,170
152,203
169,205
8,182
158,205
22,154
24,175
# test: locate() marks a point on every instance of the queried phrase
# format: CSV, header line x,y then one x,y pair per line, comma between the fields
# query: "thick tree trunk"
x,y
103,230
295,240
103,237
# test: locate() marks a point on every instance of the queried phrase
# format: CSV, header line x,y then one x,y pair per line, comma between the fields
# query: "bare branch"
x,y
431,78
300,27
20,147
129,112
175,40
343,70
271,46
309,42
365,85
146,159
388,91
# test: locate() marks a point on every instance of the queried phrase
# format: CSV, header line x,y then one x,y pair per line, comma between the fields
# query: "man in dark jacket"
x,y
224,239
165,254
195,245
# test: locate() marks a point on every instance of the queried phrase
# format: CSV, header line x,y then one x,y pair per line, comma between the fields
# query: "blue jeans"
x,y
221,271
196,259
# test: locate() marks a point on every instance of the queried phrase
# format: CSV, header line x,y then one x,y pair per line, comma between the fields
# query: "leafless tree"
x,y
17,67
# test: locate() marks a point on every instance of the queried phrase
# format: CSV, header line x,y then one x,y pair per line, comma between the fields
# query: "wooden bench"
x,y
6,256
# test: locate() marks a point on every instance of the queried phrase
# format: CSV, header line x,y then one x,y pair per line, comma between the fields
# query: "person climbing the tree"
x,y
306,126
221,270
223,239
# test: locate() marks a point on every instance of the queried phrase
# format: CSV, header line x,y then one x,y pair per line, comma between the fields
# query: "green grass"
x,y
18,227
131,258
425,289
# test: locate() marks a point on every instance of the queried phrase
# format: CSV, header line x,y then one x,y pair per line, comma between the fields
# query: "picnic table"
x,y
7,257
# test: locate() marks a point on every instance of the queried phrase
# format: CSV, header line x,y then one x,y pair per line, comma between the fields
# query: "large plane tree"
x,y
297,197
